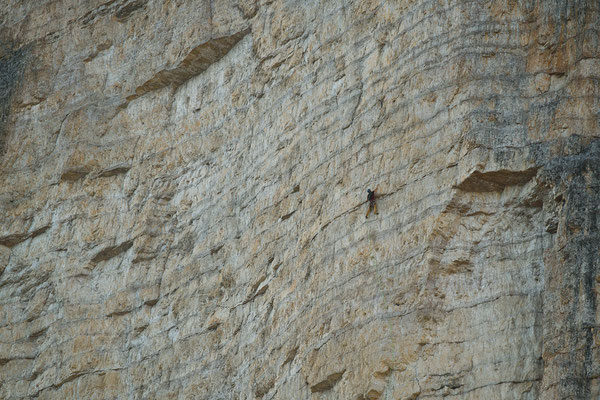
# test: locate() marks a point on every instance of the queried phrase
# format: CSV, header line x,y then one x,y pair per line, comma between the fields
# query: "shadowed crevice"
x,y
328,383
495,181
196,62
112,251
125,10
114,170
16,238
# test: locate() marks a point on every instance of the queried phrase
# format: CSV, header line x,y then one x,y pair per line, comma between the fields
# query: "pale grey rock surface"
x,y
183,185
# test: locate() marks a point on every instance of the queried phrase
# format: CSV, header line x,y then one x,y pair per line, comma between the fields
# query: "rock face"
x,y
183,186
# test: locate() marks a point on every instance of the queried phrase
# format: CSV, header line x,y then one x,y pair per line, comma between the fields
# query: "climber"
x,y
371,200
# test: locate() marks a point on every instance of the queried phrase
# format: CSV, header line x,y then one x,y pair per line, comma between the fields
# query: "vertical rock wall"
x,y
183,185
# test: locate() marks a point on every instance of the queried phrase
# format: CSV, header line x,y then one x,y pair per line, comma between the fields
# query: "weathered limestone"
x,y
183,185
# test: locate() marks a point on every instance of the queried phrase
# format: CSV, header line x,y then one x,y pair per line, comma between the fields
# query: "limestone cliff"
x,y
183,186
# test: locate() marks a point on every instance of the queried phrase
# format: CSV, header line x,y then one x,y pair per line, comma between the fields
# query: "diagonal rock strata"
x,y
196,62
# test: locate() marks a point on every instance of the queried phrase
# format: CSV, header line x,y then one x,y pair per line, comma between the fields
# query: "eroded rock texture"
x,y
182,189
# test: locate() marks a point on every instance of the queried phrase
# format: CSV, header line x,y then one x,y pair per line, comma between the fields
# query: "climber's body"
x,y
372,204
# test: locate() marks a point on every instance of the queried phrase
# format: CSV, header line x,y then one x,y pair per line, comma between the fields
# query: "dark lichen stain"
x,y
12,63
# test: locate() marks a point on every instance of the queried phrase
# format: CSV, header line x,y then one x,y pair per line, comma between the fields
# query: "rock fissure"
x,y
328,383
197,61
112,251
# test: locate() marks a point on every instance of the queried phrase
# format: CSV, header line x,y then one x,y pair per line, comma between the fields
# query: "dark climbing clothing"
x,y
370,195
371,200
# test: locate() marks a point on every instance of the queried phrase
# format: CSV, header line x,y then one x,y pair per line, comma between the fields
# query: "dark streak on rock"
x,y
261,291
73,175
68,379
494,181
12,65
97,12
264,388
151,303
34,375
14,239
100,48
37,334
115,170
196,62
118,313
286,216
257,283
215,250
328,383
291,355
255,291
125,11
4,361
112,251
213,325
